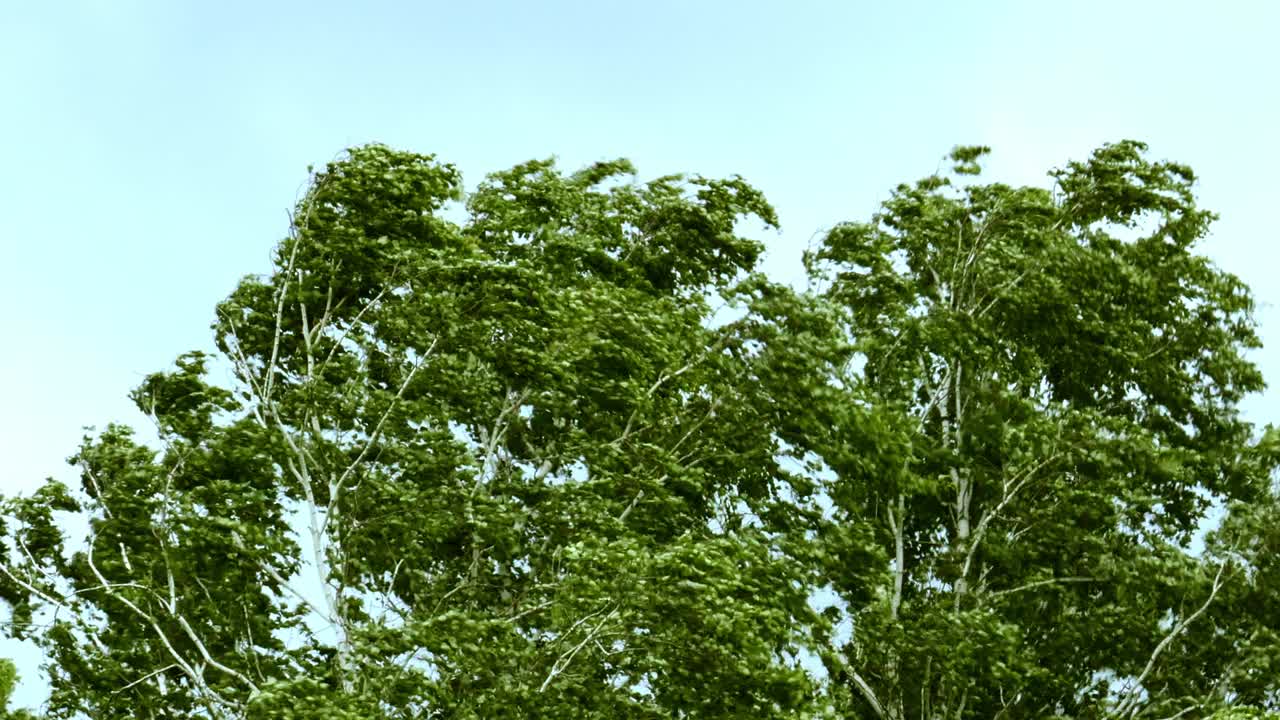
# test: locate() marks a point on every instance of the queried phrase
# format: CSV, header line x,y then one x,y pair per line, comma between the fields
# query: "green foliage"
x,y
499,468
1063,373
8,680
518,466
1243,714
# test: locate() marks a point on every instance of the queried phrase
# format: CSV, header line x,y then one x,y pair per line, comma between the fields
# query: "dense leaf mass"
x,y
558,449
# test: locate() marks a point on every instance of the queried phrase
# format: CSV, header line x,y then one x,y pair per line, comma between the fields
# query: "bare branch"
x,y
4,567
493,436
97,489
631,506
196,676
353,322
899,571
937,396
204,652
238,542
662,379
269,383
306,333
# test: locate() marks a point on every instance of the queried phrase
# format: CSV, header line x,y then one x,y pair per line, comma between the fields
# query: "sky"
x,y
153,149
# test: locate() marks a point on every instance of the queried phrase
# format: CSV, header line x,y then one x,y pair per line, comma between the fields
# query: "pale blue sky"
x,y
153,148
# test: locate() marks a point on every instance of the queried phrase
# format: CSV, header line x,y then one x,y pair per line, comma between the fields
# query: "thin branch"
x,y
1011,490
936,396
1128,705
238,542
297,229
631,506
335,488
337,343
93,480
269,383
662,379
4,567
191,672
1184,711
144,678
565,658
306,332
494,435
242,363
204,652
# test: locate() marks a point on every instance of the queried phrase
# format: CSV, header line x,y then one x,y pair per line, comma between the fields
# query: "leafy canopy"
x,y
574,456
496,468
1061,376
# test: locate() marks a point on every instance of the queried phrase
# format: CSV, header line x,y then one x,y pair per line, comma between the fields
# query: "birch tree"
x,y
558,449
507,467
1055,376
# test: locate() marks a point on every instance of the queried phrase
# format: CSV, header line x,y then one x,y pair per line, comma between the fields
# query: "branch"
x,y
196,676
1011,491
317,536
335,488
352,323
4,567
1039,583
1128,705
631,506
242,364
936,397
1182,712
144,678
238,542
565,658
867,693
269,383
297,228
626,431
494,435
306,332
204,652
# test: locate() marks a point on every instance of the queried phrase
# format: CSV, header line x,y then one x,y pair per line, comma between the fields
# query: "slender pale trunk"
x,y
953,438
893,708
896,521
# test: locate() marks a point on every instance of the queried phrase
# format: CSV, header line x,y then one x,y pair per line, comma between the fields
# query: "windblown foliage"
x,y
1062,373
575,456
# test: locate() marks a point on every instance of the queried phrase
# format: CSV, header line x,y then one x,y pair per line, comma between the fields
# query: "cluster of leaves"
x,y
1069,397
577,457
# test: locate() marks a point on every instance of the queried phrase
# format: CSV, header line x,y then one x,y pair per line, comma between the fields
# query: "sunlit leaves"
x,y
497,467
1072,371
